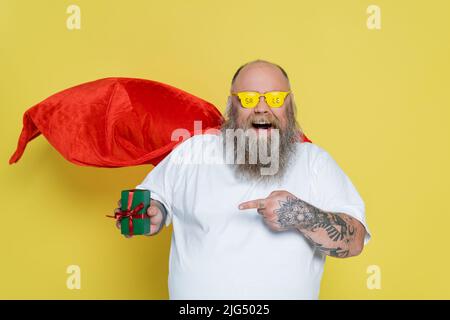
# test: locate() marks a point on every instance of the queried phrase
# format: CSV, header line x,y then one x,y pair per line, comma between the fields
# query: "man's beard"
x,y
252,170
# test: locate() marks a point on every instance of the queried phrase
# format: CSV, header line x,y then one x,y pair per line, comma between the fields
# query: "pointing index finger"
x,y
252,204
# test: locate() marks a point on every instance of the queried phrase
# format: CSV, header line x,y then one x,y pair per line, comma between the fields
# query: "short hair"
x,y
255,61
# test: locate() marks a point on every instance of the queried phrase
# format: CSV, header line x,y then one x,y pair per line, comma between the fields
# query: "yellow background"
x,y
377,100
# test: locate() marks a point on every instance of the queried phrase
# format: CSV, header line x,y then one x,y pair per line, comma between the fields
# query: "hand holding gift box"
x,y
138,214
132,215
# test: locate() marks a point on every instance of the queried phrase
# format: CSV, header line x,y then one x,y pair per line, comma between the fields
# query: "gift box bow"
x,y
130,214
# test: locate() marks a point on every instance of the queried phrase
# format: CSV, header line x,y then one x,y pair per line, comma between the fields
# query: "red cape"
x,y
116,122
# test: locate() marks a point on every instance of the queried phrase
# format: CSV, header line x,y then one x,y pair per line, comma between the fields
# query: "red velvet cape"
x,y
116,122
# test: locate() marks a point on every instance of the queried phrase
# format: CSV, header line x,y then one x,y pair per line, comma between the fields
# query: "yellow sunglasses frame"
x,y
265,95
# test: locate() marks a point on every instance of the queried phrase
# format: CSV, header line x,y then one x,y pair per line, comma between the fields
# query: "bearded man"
x,y
259,220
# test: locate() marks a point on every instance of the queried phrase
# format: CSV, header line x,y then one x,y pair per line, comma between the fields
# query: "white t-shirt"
x,y
221,252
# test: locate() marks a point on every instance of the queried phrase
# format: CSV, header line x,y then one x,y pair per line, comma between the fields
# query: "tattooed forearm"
x,y
332,233
333,252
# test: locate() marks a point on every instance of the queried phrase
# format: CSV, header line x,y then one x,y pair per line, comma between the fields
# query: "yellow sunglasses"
x,y
249,99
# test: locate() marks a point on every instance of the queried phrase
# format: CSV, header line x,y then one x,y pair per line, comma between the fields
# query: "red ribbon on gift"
x,y
130,213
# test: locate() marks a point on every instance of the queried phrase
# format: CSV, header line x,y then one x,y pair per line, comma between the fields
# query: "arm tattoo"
x,y
333,252
294,212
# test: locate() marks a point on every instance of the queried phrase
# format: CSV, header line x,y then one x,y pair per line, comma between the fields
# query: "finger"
x,y
261,211
156,220
117,221
274,225
273,193
153,230
152,211
253,204
119,203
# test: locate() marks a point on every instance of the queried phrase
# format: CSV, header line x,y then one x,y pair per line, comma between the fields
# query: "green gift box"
x,y
133,215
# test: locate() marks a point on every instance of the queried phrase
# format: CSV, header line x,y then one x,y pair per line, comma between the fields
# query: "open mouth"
x,y
262,125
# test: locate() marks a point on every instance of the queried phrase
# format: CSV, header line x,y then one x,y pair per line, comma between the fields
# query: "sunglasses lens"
x,y
275,99
248,99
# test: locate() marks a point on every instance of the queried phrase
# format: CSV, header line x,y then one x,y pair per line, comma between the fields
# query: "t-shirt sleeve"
x,y
163,179
335,191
